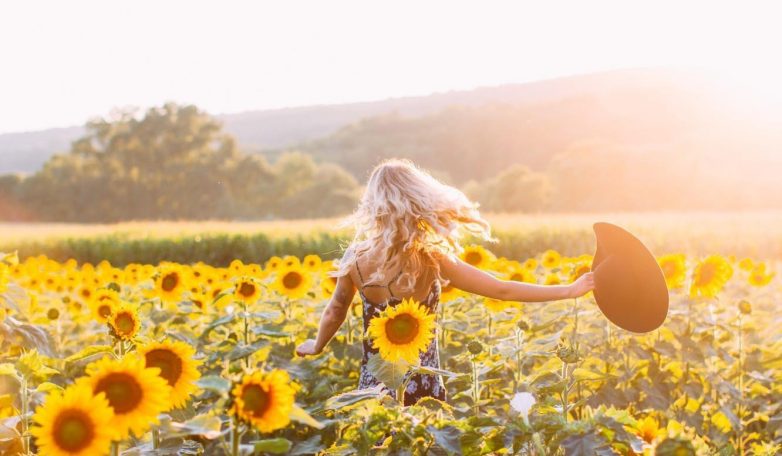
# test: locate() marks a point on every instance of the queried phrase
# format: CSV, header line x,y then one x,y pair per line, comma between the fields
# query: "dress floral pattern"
x,y
420,385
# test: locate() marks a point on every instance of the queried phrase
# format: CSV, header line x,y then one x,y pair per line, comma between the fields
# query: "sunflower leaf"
x,y
390,373
89,351
274,446
353,397
300,415
214,383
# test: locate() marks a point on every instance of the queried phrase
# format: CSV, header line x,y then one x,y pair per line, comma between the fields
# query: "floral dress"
x,y
420,385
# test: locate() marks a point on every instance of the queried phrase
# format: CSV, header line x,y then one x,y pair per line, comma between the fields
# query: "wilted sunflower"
x,y
293,282
124,320
74,423
759,277
177,366
264,400
550,259
674,269
247,290
709,276
311,263
170,282
402,331
137,394
103,303
477,256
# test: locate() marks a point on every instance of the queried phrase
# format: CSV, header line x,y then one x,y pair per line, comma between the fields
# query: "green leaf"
x,y
391,374
585,444
300,415
89,351
447,437
274,446
46,387
426,370
217,323
353,397
8,369
243,351
207,426
214,383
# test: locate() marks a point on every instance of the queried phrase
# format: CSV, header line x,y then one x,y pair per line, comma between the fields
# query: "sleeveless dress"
x,y
419,385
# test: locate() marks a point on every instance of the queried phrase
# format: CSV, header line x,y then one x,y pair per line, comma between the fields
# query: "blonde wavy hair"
x,y
408,217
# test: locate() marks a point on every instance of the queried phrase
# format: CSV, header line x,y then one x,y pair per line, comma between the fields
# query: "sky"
x,y
64,62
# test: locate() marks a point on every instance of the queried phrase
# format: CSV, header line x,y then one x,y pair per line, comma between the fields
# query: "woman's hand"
x,y
582,285
307,348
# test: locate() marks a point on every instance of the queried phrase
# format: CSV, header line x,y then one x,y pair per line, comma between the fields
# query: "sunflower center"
x,y
256,399
169,363
707,273
473,258
246,289
517,277
170,281
124,323
402,329
122,390
73,431
104,310
291,280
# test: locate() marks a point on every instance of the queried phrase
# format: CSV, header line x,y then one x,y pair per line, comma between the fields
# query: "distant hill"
x,y
271,130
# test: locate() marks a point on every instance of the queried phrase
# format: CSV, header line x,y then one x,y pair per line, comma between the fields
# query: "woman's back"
x,y
375,298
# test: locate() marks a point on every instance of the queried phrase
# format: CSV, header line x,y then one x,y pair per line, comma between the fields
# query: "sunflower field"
x,y
190,359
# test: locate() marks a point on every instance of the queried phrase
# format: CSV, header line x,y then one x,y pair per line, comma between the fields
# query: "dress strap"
x,y
388,286
360,277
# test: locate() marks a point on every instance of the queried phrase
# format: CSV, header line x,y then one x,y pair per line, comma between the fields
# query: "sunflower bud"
x,y
53,314
745,307
567,354
475,347
523,325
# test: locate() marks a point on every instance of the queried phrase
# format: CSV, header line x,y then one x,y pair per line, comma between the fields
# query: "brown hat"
x,y
630,287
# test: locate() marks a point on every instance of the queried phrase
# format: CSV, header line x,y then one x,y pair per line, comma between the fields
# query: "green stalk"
x,y
246,334
565,391
236,437
25,411
476,408
741,390
518,358
155,437
114,450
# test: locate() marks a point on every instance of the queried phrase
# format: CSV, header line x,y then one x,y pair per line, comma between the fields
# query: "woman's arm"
x,y
332,318
473,280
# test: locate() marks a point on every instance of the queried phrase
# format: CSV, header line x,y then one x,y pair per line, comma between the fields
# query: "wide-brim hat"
x,y
630,288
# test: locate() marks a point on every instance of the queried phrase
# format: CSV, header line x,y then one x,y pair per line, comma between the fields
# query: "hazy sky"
x,y
66,61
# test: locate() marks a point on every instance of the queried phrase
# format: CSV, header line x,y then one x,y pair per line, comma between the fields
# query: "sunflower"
x,y
311,263
759,277
521,274
530,264
648,429
264,400
402,331
136,393
74,423
103,303
449,293
328,283
293,282
578,270
746,264
169,283
477,256
124,321
177,367
550,259
247,290
273,264
709,276
674,269
495,305
552,279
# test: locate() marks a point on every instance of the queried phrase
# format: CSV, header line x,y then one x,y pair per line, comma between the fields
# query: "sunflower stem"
x,y
741,390
114,450
476,407
236,437
155,437
25,410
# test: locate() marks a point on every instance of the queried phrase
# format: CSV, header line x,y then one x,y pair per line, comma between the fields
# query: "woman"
x,y
407,231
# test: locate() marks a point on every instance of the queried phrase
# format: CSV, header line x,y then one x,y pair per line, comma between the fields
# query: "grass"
x,y
754,234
